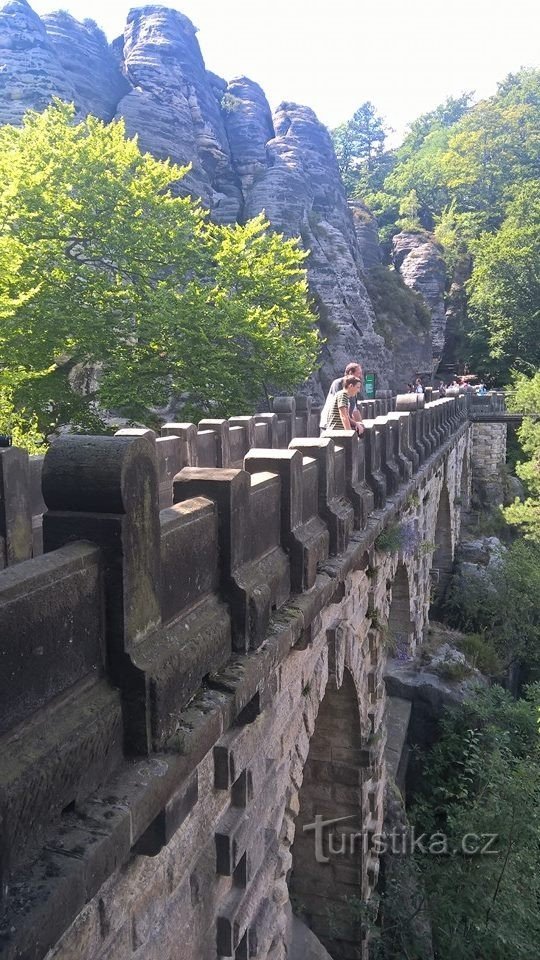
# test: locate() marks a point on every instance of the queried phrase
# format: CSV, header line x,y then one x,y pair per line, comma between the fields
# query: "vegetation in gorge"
x,y
503,606
483,779
112,285
526,398
470,174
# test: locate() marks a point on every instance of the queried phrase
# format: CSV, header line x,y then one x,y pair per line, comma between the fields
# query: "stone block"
x,y
285,408
51,629
356,488
169,460
374,475
60,757
270,423
220,429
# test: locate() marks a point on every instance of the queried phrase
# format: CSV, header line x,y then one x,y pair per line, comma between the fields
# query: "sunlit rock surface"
x,y
30,70
242,160
419,260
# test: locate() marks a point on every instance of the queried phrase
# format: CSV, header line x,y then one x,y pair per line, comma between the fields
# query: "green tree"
x,y
445,115
526,399
20,424
505,288
359,145
110,280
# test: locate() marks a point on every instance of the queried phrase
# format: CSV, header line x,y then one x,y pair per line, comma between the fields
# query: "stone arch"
x,y
443,555
400,626
325,882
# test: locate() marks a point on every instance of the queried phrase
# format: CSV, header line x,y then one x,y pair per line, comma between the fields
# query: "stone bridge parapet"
x,y
163,671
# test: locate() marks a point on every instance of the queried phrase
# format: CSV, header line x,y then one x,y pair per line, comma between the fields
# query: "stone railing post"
x,y
221,430
389,466
305,547
248,424
251,580
105,490
271,421
169,459
285,407
402,453
187,435
303,415
337,514
374,475
15,507
430,430
358,491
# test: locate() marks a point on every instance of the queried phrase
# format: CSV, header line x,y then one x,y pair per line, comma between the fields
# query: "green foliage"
x,y
230,103
390,539
503,605
21,425
526,399
104,270
480,653
395,303
505,286
470,173
453,670
483,778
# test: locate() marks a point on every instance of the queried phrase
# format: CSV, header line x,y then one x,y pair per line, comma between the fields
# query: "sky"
x,y
406,56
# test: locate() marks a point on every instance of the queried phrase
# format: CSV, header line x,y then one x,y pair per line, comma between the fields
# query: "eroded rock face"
x,y
172,105
367,234
88,62
30,70
249,126
419,260
302,194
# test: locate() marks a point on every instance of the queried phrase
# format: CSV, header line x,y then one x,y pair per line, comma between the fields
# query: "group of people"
x,y
461,382
457,382
341,412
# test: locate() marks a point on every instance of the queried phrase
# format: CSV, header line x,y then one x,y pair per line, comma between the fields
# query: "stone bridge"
x,y
184,689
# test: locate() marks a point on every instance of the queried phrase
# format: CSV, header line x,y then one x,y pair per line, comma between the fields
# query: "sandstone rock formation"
x,y
172,105
302,195
88,62
243,160
367,234
419,260
30,70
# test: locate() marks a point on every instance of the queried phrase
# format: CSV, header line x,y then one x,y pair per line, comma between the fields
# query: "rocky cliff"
x,y
420,262
243,159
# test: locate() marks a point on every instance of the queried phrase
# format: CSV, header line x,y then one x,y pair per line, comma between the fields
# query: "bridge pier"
x,y
488,462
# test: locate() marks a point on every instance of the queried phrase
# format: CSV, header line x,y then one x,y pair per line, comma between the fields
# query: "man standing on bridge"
x,y
355,417
339,412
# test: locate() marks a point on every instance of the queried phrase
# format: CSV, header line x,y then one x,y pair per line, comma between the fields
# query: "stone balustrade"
x,y
163,561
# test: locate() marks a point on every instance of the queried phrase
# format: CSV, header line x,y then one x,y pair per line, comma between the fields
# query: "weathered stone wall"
x,y
488,462
172,668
